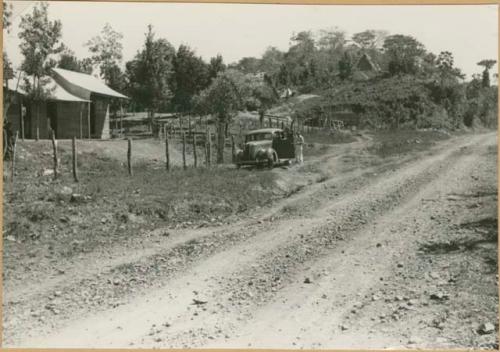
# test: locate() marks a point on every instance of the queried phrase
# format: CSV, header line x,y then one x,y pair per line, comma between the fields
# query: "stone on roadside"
x,y
47,172
439,296
486,328
77,198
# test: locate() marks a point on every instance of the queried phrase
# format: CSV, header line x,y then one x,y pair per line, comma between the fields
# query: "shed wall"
x,y
72,120
101,111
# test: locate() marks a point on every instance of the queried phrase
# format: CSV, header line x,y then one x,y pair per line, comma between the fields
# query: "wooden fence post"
x,y
121,120
88,119
184,150
209,148
233,149
195,155
129,156
73,151
13,166
23,114
167,154
54,149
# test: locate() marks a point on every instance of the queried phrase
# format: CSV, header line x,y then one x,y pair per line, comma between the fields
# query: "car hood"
x,y
265,143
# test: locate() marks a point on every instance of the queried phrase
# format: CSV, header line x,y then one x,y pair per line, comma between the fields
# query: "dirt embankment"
x,y
400,250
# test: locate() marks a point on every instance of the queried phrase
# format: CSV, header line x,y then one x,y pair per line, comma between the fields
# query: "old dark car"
x,y
268,146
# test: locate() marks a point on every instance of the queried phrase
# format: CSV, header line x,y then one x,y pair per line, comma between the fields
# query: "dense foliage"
x,y
386,80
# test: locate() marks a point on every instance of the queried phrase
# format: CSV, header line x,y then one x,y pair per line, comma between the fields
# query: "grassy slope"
x,y
113,205
39,213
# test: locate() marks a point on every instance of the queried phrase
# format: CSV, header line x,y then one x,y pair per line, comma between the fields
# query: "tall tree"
x,y
40,39
403,53
345,66
8,71
299,60
487,64
248,65
216,66
106,50
151,74
366,39
447,89
271,62
191,76
68,61
221,99
265,96
7,16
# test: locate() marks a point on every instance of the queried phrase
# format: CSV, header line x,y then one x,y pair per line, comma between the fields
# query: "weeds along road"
x,y
337,264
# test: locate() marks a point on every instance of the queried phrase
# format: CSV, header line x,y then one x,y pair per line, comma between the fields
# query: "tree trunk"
x,y
37,121
220,142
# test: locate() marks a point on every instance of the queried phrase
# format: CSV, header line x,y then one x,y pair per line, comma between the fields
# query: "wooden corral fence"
x,y
200,134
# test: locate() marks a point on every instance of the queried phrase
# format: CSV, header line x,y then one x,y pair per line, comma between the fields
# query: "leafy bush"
x,y
404,102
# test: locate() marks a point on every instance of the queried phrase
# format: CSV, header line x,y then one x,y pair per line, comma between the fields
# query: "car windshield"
x,y
259,137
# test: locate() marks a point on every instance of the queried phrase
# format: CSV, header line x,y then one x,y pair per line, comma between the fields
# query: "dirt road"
x,y
396,254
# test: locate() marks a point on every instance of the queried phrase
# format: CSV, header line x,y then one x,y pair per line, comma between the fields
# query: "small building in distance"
x,y
78,106
365,68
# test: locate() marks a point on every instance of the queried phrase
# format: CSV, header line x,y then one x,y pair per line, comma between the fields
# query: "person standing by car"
x,y
299,146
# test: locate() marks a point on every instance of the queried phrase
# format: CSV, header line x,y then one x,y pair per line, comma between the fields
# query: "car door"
x,y
283,145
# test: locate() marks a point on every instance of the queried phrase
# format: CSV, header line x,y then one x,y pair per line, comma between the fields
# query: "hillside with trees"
x,y
385,80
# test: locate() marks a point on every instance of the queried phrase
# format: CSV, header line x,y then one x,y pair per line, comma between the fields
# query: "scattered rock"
x,y
65,190
77,198
47,172
439,296
434,275
307,280
344,327
400,265
199,302
414,341
486,328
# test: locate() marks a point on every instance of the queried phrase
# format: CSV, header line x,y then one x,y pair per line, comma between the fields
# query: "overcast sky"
x,y
470,32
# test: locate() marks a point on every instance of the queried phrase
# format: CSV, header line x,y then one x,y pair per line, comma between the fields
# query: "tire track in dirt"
x,y
269,247
153,263
324,314
255,284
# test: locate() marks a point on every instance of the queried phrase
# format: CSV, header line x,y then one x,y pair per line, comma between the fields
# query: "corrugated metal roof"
x,y
88,82
56,91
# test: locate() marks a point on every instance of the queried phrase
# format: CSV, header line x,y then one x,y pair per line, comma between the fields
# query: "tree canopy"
x,y
106,51
151,73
